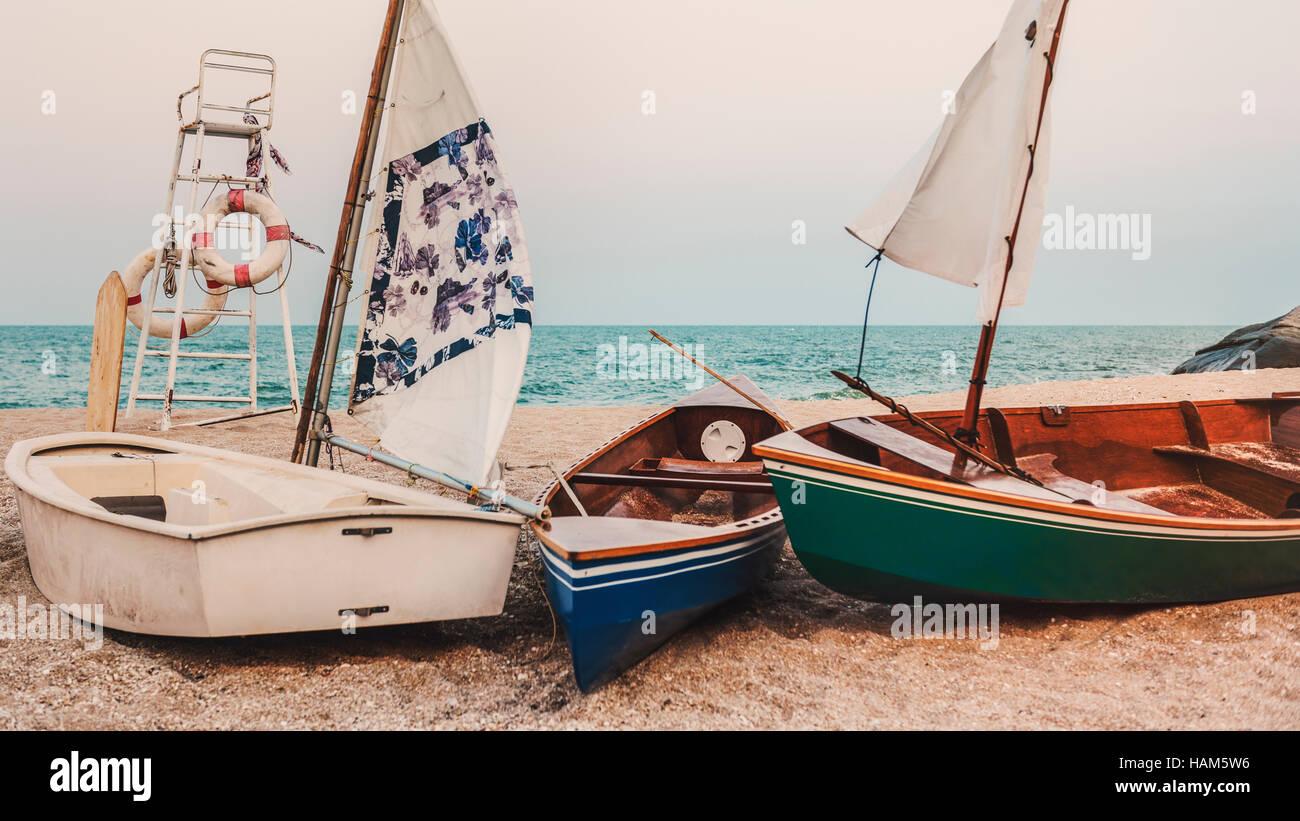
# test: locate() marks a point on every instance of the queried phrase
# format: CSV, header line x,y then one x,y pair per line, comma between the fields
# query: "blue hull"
x,y
618,611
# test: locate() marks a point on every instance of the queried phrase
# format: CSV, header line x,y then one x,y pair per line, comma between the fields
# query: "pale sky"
x,y
766,112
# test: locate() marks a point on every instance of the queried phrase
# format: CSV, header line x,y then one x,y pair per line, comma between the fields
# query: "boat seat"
x,y
677,481
1000,431
1194,425
150,506
1279,461
652,466
882,436
1043,468
1264,475
253,492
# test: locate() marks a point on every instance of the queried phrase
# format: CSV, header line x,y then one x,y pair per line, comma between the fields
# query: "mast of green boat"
x,y
984,352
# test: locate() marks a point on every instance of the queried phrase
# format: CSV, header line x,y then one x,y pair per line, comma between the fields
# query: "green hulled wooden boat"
x,y
1175,514
1159,502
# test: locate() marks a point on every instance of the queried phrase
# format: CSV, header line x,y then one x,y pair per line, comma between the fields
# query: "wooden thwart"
x,y
1267,458
695,467
1263,475
673,482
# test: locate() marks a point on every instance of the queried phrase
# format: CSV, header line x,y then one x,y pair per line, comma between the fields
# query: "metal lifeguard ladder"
x,y
174,261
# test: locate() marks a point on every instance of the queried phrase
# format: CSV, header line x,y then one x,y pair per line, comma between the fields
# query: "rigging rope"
x,y
963,448
862,349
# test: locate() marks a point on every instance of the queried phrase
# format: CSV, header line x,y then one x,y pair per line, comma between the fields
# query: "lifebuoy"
x,y
161,326
272,256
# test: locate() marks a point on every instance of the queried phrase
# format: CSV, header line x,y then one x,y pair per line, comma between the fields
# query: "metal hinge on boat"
x,y
366,531
1055,415
364,611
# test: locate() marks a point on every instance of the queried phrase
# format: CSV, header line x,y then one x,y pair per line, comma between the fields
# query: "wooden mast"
x,y
306,448
983,354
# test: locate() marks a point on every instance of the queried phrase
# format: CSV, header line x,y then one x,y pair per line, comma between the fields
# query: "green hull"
x,y
888,543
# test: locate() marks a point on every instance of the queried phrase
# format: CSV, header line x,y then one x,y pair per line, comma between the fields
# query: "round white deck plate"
x,y
723,441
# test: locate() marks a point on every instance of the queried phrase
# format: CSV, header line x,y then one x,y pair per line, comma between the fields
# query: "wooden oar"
x,y
780,420
106,355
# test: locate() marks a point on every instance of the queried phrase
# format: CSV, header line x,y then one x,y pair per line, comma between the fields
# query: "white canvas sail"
x,y
949,211
444,337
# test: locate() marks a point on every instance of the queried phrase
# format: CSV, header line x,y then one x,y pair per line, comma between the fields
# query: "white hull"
x,y
264,552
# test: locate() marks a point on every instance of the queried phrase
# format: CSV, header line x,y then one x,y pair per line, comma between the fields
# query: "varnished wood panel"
x,y
106,355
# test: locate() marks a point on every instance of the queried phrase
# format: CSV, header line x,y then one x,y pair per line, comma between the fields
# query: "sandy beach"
x,y
792,654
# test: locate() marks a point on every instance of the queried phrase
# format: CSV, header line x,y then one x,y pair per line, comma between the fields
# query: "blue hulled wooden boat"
x,y
665,521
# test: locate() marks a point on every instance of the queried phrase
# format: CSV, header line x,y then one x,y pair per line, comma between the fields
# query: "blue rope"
x,y
862,350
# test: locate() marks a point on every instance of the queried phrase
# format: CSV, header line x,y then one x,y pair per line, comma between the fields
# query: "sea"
x,y
48,366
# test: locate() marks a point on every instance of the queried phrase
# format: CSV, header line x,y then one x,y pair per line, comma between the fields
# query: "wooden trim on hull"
x,y
760,524
778,456
684,482
888,542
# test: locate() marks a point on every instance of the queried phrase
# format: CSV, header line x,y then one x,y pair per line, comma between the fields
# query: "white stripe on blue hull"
x,y
565,573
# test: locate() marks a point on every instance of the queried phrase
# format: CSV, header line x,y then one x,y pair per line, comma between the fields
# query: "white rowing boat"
x,y
181,540
175,539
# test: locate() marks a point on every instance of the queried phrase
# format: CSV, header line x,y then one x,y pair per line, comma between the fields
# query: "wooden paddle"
x,y
106,355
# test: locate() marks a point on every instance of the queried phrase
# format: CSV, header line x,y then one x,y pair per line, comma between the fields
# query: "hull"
x,y
297,571
665,521
617,612
889,542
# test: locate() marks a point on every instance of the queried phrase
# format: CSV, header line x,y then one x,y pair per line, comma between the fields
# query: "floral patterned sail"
x,y
448,317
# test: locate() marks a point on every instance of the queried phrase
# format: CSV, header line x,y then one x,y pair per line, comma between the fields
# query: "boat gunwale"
x,y
886,476
1031,409
19,456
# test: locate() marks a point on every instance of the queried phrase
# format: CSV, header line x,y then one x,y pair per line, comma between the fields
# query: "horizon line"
x,y
749,325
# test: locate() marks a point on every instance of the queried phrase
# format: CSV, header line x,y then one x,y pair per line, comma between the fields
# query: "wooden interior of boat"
x,y
1222,459
659,471
194,489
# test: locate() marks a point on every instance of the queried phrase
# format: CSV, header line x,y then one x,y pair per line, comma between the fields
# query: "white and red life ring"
x,y
272,256
161,326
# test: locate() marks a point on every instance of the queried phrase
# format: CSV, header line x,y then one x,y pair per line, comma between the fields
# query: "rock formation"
x,y
1275,344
